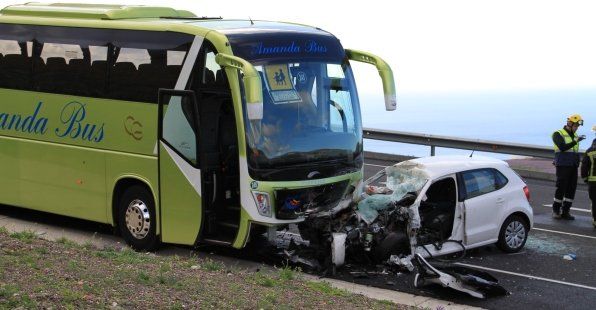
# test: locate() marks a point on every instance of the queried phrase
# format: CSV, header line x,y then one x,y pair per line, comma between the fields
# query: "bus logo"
x,y
133,128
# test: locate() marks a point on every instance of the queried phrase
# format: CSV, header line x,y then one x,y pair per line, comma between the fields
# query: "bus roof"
x,y
142,18
239,26
93,11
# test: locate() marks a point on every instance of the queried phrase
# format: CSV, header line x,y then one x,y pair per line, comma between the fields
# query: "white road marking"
x,y
574,209
528,276
375,165
563,233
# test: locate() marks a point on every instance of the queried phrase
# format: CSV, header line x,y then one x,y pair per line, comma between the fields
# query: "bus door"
x,y
179,171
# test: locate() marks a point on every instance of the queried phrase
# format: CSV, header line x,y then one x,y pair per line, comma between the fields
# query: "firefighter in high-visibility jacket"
x,y
567,157
588,174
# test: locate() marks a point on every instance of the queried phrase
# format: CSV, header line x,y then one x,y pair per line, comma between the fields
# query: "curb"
x,y
54,233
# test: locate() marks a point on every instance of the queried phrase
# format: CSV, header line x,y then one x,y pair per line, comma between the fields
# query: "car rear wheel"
x,y
136,219
513,234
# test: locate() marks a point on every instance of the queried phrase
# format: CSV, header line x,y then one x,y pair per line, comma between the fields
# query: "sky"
x,y
436,46
493,53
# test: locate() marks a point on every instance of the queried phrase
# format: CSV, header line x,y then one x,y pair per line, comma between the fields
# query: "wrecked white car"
x,y
428,206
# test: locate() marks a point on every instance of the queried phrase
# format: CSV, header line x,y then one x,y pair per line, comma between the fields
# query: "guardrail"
x,y
459,143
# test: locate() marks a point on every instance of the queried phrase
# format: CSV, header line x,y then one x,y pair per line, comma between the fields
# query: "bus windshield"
x,y
311,126
311,122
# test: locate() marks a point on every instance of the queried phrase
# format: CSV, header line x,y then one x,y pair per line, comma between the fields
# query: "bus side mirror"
x,y
252,83
384,71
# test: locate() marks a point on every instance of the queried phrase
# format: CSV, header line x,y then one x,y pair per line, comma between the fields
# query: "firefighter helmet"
x,y
576,118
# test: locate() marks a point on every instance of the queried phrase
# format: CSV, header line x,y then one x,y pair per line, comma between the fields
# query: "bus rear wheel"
x,y
137,220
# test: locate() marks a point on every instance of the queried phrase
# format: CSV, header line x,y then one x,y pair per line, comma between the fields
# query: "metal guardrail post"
x,y
459,143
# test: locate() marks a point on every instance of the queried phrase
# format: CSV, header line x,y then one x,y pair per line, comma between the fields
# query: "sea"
x,y
527,117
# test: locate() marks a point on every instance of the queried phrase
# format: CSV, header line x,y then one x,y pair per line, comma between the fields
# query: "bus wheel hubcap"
x,y
138,219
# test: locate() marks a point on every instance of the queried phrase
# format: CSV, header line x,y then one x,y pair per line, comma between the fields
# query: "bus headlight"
x,y
263,205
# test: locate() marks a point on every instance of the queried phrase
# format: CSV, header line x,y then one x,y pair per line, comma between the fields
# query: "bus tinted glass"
x,y
311,126
311,122
103,63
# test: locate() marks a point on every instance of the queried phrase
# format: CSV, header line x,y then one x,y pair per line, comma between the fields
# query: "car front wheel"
x,y
513,234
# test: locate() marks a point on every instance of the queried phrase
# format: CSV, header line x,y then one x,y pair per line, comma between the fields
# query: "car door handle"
x,y
500,200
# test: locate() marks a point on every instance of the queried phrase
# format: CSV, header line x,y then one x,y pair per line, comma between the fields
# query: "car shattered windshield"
x,y
402,178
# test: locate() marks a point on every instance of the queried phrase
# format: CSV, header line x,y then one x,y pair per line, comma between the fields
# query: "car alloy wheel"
x,y
515,234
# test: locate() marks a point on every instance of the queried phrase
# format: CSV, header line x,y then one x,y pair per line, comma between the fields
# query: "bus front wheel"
x,y
137,220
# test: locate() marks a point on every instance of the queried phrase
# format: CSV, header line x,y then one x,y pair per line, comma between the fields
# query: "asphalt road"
x,y
538,277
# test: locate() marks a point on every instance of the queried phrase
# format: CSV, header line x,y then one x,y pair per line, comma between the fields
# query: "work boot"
x,y
567,216
565,213
556,215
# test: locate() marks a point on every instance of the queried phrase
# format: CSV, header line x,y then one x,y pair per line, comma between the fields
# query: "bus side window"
x,y
175,59
94,76
102,63
139,73
207,72
215,75
125,81
59,69
15,64
217,135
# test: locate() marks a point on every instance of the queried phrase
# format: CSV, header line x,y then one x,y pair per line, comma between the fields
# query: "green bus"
x,y
176,128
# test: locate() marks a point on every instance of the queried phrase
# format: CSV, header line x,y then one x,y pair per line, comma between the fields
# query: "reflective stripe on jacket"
x,y
569,157
592,171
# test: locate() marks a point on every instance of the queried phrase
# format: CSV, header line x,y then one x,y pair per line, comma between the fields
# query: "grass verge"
x,y
37,273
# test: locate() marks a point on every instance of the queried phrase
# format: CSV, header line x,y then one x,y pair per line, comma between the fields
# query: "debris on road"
x,y
474,282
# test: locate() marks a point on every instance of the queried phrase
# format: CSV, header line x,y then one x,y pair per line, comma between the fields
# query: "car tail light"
x,y
527,192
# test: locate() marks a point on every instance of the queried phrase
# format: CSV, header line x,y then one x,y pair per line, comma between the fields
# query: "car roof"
x,y
438,166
